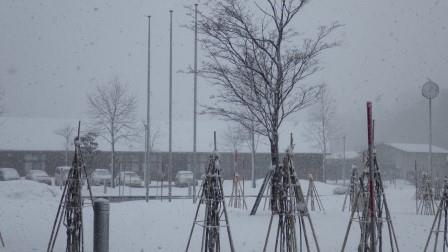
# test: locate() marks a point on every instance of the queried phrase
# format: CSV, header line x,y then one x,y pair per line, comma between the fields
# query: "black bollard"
x,y
101,225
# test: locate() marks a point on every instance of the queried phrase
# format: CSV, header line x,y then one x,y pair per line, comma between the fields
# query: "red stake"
x,y
371,177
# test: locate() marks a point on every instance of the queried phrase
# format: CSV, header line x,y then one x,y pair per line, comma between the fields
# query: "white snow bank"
x,y
162,226
27,190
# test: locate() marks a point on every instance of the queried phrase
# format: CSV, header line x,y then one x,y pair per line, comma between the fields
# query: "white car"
x,y
100,176
38,176
8,174
128,178
184,178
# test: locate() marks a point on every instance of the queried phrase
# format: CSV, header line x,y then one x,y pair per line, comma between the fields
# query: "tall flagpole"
x,y
170,163
195,98
148,124
345,161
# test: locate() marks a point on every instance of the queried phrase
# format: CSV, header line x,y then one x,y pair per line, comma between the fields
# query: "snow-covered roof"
x,y
348,155
416,148
38,134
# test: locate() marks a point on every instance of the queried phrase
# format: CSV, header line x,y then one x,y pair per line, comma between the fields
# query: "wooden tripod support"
x,y
212,197
312,196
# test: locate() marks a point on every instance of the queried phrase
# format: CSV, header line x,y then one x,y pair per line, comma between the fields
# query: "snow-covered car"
x,y
340,190
61,175
128,178
8,174
38,176
100,176
184,178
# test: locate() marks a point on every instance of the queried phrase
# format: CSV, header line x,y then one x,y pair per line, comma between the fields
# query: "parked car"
x,y
128,178
8,174
184,178
340,190
100,176
38,176
61,175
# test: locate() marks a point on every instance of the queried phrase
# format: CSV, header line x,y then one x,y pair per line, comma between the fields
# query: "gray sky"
x,y
54,52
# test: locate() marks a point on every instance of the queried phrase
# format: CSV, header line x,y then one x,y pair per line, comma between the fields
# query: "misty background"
x,y
52,53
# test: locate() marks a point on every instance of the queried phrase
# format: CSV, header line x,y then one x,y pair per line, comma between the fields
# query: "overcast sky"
x,y
54,52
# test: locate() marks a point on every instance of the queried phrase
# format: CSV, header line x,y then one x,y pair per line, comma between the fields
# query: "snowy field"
x,y
27,211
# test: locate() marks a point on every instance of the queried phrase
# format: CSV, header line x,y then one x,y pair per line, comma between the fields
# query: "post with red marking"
x,y
371,178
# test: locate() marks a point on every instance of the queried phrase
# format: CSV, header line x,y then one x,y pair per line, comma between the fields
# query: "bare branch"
x,y
259,73
112,111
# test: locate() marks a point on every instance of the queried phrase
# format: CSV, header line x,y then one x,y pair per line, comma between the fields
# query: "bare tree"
x,y
67,133
247,139
89,149
113,113
253,59
322,125
234,137
238,135
153,138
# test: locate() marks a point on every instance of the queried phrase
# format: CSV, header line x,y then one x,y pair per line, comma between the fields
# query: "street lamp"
x,y
430,91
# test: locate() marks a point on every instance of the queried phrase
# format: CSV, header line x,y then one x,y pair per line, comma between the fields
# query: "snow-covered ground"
x,y
27,212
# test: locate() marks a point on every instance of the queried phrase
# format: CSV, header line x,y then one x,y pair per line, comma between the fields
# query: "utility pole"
x,y
430,137
430,90
170,162
195,161
324,137
345,163
148,125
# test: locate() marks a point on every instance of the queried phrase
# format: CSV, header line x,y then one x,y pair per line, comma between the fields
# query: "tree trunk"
x,y
112,162
274,149
324,172
66,156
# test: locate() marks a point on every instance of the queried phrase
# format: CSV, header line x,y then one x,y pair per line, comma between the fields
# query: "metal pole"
x,y
148,126
345,163
170,163
1,240
145,171
252,134
195,98
101,225
214,141
430,139
324,137
416,186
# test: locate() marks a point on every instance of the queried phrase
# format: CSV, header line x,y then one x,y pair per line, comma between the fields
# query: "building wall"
x,y
336,167
390,161
23,161
403,162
